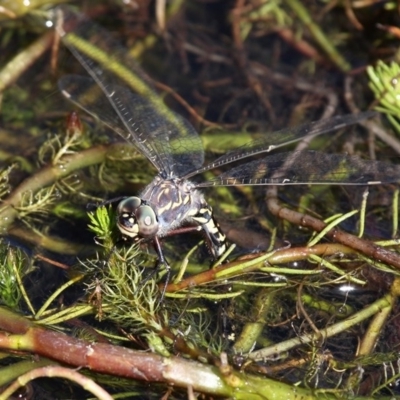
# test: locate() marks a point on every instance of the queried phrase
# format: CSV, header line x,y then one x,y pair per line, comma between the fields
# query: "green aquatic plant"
x,y
384,81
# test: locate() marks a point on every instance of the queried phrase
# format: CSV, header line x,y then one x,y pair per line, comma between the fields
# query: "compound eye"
x,y
126,217
147,221
129,205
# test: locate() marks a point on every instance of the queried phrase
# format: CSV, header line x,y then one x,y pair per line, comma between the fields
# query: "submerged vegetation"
x,y
305,305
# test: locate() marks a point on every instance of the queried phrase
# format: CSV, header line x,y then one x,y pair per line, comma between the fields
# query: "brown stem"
x,y
363,246
106,358
278,257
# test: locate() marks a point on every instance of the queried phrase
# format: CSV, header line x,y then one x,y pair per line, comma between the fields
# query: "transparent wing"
x,y
284,137
167,140
305,167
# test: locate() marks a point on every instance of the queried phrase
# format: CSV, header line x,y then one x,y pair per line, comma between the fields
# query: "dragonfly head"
x,y
136,219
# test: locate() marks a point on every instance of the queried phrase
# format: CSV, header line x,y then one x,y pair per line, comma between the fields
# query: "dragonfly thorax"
x,y
164,205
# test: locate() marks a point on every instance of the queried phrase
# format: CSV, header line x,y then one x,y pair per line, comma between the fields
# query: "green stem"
x,y
318,35
21,62
47,176
326,333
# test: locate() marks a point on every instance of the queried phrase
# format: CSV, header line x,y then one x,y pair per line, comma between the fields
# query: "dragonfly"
x,y
173,201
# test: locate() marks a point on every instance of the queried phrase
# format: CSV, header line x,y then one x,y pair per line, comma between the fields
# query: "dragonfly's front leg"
x,y
161,262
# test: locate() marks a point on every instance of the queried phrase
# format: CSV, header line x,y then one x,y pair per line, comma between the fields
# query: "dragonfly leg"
x,y
162,262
